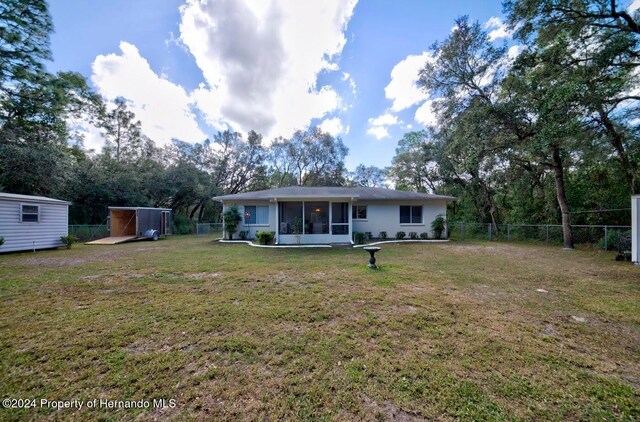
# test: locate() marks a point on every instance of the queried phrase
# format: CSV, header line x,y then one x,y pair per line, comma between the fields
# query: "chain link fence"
x,y
85,232
209,229
599,236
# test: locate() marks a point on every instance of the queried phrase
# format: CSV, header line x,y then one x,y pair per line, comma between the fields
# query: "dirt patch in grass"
x,y
389,412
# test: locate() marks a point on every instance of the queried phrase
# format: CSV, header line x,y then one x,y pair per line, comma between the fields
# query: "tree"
x,y
414,166
231,219
309,158
368,176
467,75
549,18
25,26
122,131
602,54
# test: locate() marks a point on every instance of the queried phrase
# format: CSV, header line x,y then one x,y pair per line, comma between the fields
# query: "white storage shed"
x,y
32,222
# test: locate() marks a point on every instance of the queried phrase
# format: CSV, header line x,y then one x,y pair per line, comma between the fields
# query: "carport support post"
x,y
462,231
508,232
490,234
606,239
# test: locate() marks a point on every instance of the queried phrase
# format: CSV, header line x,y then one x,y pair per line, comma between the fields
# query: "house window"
x,y
340,218
30,213
410,214
256,214
359,212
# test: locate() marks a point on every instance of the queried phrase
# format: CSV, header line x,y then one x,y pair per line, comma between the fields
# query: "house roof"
x,y
31,198
360,193
138,208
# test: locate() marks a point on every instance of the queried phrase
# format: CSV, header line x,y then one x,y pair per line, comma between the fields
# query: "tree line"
x,y
537,137
541,137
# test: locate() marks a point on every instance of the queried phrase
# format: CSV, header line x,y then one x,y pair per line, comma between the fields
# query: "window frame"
x,y
355,210
337,228
411,215
22,213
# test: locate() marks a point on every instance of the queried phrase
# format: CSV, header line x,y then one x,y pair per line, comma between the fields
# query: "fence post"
x,y
508,233
606,238
547,233
490,234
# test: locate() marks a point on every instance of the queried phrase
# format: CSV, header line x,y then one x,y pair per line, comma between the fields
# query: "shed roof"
x,y
31,198
304,192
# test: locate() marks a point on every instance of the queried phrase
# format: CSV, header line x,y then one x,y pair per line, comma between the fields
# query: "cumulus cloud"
x,y
403,89
379,126
498,29
633,6
333,126
425,114
261,59
163,107
378,132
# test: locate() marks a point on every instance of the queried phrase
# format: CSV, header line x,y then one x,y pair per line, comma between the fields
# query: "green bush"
x,y
265,237
243,234
413,235
68,241
424,235
369,235
400,235
613,239
438,226
382,235
182,224
231,218
359,237
1,240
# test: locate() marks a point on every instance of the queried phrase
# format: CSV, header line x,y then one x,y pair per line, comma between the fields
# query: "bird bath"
x,y
372,251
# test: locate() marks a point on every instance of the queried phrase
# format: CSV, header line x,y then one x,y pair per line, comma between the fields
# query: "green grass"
x,y
441,331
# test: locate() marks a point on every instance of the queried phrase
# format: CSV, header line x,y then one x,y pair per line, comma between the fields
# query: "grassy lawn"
x,y
442,331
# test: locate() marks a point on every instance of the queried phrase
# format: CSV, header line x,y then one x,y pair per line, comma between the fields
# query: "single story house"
x,y
316,215
32,222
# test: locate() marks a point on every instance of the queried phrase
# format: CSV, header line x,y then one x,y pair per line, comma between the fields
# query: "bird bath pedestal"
x,y
372,251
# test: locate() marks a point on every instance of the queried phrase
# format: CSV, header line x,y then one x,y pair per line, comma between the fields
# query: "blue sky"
x,y
192,67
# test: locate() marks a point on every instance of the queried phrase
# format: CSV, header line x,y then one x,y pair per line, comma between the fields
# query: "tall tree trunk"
x,y
615,138
562,198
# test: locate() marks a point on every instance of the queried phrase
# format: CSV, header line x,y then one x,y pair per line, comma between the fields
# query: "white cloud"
x,y
260,59
386,119
83,129
499,29
163,107
378,132
515,50
348,78
379,126
403,89
333,126
425,115
633,6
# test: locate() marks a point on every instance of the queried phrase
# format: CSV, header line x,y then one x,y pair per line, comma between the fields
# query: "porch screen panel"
x,y
316,215
290,218
340,218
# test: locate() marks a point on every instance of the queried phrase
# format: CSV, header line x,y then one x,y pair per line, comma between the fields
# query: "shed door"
x,y
165,228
